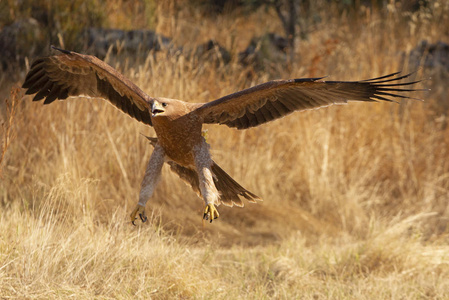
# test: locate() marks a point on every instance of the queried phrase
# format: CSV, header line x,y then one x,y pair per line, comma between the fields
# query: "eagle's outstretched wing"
x,y
275,99
74,74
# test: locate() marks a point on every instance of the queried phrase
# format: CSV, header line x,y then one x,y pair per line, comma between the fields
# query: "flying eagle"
x,y
178,124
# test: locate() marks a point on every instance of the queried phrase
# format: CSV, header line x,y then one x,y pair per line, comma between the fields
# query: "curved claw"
x,y
139,210
210,211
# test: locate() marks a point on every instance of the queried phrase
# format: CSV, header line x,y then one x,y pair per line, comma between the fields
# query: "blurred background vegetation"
x,y
29,26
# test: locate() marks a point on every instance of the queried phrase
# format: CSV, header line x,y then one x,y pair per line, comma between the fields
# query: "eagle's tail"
x,y
230,191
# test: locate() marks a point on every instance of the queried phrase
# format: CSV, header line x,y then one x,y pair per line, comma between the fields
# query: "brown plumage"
x,y
178,124
229,189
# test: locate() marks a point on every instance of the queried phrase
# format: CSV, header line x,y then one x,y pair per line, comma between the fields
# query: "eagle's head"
x,y
170,108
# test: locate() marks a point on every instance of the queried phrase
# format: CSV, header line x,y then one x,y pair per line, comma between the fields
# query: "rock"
x,y
100,40
23,38
213,51
433,56
269,48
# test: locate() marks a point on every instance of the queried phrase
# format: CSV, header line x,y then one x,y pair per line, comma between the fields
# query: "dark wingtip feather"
x,y
33,73
384,90
39,96
44,91
382,77
391,78
35,84
53,95
37,62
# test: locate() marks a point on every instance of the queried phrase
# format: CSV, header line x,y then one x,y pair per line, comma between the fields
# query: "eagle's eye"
x,y
164,104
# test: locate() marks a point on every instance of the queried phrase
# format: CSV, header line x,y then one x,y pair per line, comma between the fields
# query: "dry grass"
x,y
355,197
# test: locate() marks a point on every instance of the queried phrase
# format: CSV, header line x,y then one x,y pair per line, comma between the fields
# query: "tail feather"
x,y
230,191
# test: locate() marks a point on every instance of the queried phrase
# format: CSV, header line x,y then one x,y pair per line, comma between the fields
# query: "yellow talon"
x,y
211,212
139,210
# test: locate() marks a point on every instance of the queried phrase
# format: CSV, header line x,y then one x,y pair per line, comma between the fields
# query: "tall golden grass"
x,y
355,197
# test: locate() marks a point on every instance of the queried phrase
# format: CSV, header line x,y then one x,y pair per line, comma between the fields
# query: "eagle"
x,y
178,124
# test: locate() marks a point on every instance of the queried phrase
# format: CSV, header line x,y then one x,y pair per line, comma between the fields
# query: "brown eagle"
x,y
178,124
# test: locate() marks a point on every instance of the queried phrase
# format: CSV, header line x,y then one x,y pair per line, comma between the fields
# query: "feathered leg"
x,y
203,165
149,182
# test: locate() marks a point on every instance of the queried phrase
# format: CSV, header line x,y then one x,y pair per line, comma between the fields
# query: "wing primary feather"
x,y
35,87
31,79
376,98
34,68
399,90
383,77
37,62
376,81
54,93
390,94
64,94
44,91
400,84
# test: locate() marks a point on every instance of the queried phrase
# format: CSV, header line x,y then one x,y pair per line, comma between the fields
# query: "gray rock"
x,y
100,40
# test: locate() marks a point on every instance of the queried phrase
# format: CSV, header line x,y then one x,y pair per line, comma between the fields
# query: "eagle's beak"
x,y
157,108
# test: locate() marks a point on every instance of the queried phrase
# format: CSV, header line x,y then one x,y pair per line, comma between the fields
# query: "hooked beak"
x,y
157,108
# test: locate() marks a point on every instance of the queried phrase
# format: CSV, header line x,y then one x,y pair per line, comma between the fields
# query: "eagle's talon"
x,y
210,211
143,217
139,210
